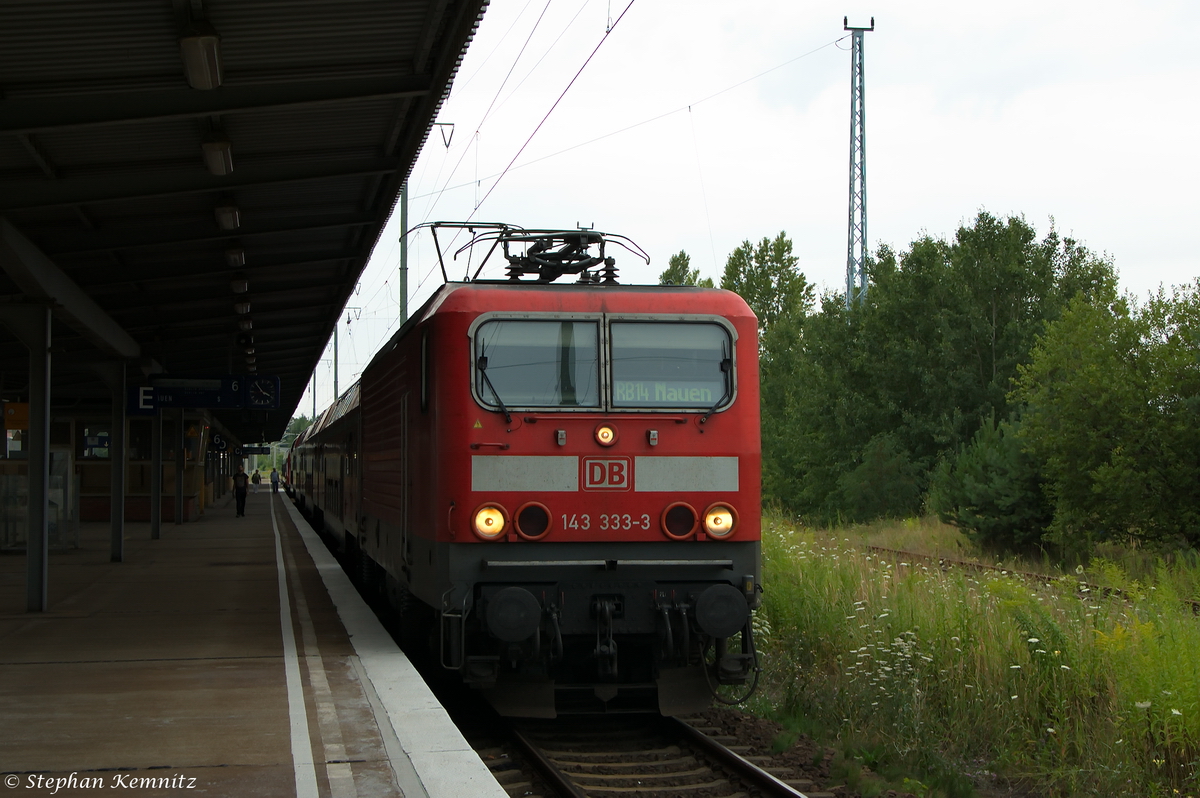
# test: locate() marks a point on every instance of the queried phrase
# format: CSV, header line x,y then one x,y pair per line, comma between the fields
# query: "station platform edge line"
x,y
428,753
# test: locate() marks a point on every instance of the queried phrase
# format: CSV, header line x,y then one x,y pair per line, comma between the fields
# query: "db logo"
x,y
607,473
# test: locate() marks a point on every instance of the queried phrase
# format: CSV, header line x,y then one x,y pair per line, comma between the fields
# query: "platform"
x,y
230,658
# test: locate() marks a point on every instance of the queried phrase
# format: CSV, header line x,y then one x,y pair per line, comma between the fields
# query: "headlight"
x,y
720,520
533,521
606,435
490,521
678,521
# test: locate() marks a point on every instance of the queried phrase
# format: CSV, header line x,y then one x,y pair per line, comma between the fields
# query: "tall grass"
x,y
1075,693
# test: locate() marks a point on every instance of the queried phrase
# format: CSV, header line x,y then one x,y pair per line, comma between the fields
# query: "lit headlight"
x,y
606,435
490,521
720,520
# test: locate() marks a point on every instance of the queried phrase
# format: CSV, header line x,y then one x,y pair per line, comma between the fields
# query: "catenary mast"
x,y
856,244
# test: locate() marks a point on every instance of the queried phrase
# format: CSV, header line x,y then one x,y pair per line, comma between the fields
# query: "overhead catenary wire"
x,y
561,95
499,89
646,121
545,55
512,166
478,181
373,289
688,108
459,86
703,192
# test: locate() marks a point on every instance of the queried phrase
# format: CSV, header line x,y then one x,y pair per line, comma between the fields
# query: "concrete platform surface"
x,y
230,658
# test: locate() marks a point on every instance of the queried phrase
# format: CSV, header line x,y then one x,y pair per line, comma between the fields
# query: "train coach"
x,y
556,484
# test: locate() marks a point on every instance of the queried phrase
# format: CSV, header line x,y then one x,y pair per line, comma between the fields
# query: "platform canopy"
x,y
178,176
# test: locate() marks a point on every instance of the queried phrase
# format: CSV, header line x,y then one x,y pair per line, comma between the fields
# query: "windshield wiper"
x,y
726,367
481,364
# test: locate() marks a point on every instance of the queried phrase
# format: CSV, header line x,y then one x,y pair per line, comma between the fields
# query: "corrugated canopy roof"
x,y
321,110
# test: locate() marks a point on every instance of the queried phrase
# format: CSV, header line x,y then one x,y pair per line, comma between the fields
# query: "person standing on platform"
x,y
274,481
255,478
240,482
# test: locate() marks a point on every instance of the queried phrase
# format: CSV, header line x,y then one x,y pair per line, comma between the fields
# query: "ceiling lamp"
x,y
218,153
251,360
241,308
228,217
200,47
235,257
239,285
245,325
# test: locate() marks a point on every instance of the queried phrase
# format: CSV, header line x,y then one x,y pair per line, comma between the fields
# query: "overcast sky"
x,y
698,125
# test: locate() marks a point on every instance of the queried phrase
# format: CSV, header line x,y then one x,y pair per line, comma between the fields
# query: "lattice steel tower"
x,y
856,245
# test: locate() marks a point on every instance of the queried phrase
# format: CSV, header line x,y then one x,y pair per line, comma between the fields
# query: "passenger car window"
x,y
551,363
670,364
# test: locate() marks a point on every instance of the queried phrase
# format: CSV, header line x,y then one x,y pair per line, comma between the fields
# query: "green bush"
x,y
992,490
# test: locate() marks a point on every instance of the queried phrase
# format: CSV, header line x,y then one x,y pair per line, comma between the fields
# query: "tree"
x,y
885,483
781,297
767,278
296,426
1113,395
992,489
679,272
889,389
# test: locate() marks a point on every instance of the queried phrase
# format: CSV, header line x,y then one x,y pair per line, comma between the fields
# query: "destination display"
x,y
216,392
656,393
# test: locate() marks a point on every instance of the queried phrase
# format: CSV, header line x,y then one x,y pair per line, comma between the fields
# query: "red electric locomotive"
x,y
557,484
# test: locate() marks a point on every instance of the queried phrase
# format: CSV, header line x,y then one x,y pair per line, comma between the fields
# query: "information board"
x,y
226,392
230,392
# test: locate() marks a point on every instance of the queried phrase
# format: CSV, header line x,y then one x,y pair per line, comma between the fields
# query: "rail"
x,y
589,757
1085,587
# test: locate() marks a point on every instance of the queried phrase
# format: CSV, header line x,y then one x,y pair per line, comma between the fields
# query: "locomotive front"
x,y
600,452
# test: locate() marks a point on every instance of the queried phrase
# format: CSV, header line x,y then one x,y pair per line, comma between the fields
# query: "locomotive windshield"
x,y
538,363
670,364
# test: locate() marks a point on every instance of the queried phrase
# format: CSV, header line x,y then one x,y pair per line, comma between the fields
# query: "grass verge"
x,y
952,674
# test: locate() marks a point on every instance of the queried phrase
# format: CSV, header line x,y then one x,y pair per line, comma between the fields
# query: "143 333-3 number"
x,y
607,521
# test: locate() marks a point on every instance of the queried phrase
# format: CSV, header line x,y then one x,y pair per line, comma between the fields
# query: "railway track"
x,y
627,756
947,562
